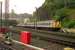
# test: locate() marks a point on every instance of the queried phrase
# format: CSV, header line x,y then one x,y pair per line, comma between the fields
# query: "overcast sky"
x,y
24,6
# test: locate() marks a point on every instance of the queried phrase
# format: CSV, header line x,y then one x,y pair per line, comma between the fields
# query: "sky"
x,y
24,6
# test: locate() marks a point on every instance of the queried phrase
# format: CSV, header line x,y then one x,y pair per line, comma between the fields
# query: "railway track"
x,y
48,36
41,43
56,39
4,46
65,34
69,35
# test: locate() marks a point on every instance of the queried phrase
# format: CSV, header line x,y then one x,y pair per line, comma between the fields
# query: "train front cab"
x,y
56,25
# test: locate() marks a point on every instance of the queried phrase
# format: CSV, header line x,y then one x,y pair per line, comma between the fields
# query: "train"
x,y
48,25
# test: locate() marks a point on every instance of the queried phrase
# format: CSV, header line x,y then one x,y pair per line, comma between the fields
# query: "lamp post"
x,y
35,21
6,12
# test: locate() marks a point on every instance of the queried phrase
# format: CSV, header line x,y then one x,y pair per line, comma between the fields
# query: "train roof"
x,y
48,21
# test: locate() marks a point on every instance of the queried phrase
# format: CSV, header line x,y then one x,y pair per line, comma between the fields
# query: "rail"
x,y
27,45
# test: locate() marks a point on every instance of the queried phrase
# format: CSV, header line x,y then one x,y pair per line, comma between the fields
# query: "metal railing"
x,y
30,47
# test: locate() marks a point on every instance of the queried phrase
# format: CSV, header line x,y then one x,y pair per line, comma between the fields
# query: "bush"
x,y
71,24
68,23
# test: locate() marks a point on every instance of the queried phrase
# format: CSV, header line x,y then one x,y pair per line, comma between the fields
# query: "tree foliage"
x,y
68,23
61,10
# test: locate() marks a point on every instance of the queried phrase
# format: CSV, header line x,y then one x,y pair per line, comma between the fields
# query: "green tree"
x,y
61,10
